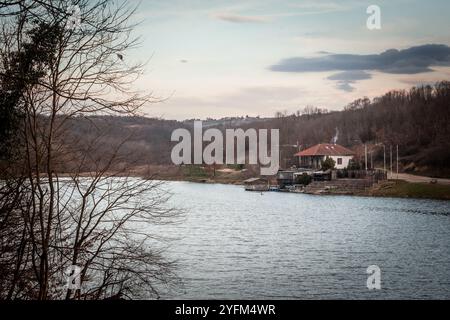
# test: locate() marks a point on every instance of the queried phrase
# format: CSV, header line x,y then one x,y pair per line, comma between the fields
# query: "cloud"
x,y
323,52
314,7
350,76
345,86
408,61
237,18
346,78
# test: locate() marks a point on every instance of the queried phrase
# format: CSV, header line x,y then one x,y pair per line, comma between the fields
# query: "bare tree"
x,y
98,219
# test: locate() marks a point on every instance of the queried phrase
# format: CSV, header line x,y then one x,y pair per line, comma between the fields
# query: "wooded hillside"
x,y
418,120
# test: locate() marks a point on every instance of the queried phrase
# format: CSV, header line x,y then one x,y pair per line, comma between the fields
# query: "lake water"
x,y
235,244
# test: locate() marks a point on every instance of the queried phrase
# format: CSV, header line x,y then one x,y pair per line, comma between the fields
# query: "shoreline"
x,y
396,190
387,189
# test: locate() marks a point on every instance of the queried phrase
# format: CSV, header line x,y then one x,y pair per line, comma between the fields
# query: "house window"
x,y
339,160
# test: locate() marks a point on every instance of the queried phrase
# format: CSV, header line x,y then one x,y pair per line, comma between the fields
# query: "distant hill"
x,y
418,120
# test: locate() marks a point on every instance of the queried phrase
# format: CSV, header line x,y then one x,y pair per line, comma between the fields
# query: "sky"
x,y
220,58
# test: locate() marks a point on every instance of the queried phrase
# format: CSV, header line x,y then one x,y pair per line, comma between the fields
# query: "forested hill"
x,y
418,120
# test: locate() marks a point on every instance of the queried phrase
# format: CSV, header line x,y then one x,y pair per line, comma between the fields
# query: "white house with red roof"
x,y
315,155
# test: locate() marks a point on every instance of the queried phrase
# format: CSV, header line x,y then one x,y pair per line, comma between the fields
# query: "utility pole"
x,y
390,158
365,154
397,162
371,160
384,158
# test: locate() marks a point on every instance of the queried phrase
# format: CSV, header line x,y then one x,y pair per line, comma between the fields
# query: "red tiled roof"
x,y
325,149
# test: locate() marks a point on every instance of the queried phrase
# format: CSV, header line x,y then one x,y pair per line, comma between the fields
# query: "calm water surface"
x,y
235,244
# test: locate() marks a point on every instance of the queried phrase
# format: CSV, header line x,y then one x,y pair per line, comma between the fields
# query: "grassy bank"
x,y
403,189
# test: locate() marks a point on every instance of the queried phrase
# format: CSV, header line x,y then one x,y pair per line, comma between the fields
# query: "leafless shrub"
x,y
94,220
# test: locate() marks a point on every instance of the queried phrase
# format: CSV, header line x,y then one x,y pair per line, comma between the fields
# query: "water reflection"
x,y
235,245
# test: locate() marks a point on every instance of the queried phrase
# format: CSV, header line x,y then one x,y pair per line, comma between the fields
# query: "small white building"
x,y
314,156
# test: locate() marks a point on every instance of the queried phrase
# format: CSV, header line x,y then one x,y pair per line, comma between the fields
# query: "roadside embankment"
x,y
404,189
